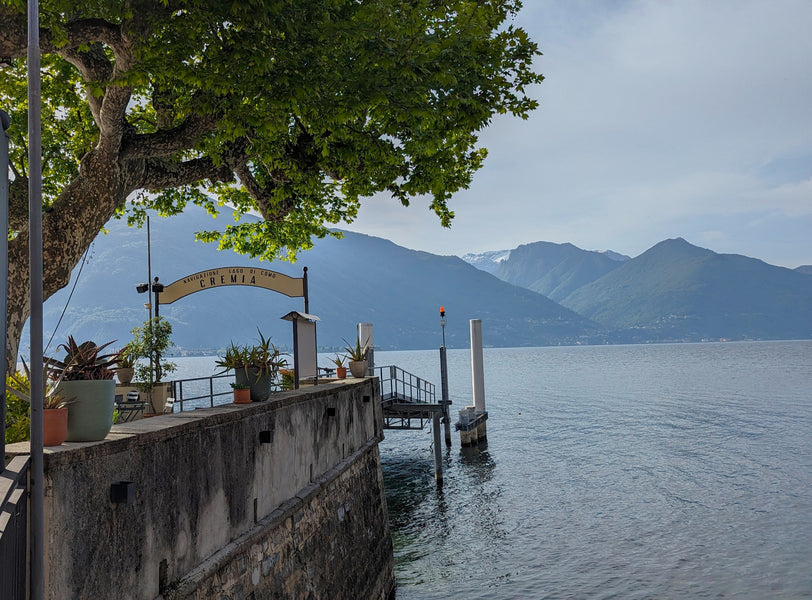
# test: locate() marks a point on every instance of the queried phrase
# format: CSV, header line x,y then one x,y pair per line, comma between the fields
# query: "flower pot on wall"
x,y
358,368
55,426
341,372
124,375
259,381
242,396
90,414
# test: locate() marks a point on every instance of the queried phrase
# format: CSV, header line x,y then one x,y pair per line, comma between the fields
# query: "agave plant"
x,y
235,357
85,361
20,386
356,352
264,357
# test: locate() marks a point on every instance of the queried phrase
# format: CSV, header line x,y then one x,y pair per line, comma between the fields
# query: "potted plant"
x,y
257,365
357,356
55,404
147,349
287,379
242,393
86,375
341,370
126,365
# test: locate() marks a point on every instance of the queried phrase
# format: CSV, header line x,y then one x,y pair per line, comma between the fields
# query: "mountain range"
x,y
537,294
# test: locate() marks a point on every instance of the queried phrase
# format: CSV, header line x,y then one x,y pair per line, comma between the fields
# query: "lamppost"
x,y
156,287
5,121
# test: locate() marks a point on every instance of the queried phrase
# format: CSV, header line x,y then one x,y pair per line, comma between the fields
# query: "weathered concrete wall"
x,y
217,514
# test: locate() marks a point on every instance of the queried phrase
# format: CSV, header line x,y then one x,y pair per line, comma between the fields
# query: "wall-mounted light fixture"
x,y
122,492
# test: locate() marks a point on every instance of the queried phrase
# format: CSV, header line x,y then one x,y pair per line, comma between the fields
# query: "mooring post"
x,y
438,456
444,383
478,381
365,338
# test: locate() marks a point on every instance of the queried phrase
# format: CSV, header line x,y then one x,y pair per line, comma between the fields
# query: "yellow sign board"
x,y
224,276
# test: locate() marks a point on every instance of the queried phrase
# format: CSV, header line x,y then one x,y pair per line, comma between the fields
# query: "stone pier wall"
x,y
280,499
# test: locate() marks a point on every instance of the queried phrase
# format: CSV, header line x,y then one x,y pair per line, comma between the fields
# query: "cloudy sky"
x,y
658,119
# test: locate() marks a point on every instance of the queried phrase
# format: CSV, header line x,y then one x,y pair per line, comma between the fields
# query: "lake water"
x,y
649,471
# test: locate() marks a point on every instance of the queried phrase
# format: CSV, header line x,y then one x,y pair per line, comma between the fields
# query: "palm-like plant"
x,y
84,362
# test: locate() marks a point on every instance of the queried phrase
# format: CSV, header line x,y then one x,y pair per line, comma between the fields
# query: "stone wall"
x,y
281,499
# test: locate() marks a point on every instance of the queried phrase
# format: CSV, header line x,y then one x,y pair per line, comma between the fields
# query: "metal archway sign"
x,y
294,287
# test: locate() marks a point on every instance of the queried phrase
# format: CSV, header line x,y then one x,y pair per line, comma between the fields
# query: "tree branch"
x,y
168,141
162,174
14,34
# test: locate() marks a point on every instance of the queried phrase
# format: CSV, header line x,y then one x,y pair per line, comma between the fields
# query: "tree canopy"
x,y
293,109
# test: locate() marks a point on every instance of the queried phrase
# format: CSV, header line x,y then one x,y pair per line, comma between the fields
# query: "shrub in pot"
x,y
54,404
126,365
148,347
242,393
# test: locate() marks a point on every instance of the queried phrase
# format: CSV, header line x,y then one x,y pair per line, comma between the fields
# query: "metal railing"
x,y
397,384
14,528
199,392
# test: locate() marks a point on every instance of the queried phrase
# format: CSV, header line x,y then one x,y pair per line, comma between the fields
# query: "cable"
x,y
64,310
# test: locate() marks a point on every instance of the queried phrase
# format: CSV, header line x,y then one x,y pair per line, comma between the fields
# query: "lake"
x,y
646,471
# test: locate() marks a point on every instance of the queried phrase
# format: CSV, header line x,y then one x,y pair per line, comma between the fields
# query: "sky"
x,y
657,119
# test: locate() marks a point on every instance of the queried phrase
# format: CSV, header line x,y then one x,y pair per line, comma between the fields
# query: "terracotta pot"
x,y
54,425
341,372
242,396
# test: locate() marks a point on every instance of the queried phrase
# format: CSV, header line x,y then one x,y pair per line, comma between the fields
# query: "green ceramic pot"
x,y
90,414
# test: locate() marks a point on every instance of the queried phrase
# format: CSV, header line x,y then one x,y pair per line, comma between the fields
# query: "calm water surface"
x,y
667,471
661,471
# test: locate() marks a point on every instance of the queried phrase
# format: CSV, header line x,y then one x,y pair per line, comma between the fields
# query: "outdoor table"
x,y
129,410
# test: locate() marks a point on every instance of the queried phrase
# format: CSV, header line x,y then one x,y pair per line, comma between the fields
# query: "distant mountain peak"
x,y
617,256
486,261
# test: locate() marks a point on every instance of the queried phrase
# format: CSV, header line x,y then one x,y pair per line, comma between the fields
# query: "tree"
x,y
294,109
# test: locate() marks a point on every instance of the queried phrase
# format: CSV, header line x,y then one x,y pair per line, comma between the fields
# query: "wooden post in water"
x,y
438,456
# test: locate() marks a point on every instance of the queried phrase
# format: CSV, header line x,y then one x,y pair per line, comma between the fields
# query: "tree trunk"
x,y
68,229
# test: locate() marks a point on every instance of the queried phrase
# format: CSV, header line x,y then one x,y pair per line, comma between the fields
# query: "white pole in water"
x,y
477,372
478,434
365,338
